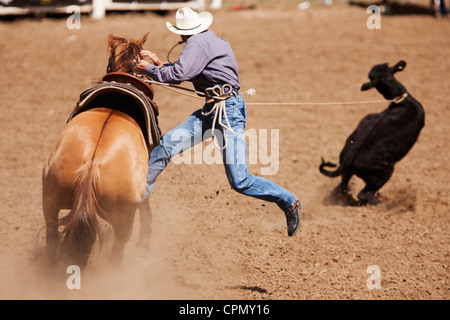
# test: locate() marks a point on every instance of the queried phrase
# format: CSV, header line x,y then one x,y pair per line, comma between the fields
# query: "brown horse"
x,y
97,168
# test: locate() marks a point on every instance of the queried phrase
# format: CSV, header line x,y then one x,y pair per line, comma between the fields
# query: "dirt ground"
x,y
208,241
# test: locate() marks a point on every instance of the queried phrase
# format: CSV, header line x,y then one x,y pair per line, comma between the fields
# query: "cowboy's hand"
x,y
141,66
152,56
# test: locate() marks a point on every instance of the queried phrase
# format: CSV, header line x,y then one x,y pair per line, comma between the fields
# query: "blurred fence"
x,y
97,8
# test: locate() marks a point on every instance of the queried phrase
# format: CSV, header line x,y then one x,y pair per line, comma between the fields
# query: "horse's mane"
x,y
127,56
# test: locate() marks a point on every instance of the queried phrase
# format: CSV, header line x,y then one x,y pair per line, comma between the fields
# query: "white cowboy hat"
x,y
190,22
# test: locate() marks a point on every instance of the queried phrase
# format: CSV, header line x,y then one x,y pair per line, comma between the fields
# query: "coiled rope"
x,y
218,95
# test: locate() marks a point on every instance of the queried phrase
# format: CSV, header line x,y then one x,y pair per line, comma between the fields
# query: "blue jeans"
x,y
192,131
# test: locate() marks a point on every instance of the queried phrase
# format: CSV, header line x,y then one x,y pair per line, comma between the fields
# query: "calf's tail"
x,y
331,174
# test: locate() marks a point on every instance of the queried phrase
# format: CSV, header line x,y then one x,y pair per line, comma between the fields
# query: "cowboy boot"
x,y
293,219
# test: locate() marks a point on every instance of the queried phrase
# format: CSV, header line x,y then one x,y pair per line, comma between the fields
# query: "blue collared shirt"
x,y
206,60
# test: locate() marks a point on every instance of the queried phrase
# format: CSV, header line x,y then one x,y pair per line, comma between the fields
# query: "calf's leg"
x,y
373,184
341,192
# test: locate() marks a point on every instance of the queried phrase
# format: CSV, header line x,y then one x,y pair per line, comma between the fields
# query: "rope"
x,y
219,94
251,92
314,103
168,54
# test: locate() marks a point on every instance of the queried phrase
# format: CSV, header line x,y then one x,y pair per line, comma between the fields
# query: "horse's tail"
x,y
331,174
81,226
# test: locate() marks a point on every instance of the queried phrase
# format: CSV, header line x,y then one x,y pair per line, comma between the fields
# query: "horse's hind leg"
x,y
122,223
51,235
145,230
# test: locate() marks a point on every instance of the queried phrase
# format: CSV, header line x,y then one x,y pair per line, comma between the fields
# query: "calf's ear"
x,y
367,85
399,66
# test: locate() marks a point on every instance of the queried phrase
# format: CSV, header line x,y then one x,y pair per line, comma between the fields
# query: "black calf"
x,y
380,140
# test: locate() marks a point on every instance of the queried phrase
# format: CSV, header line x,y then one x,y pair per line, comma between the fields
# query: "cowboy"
x,y
209,63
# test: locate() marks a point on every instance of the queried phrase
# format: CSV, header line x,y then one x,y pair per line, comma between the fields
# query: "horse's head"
x,y
124,54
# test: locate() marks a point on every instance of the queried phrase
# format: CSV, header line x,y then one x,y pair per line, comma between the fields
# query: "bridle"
x,y
112,59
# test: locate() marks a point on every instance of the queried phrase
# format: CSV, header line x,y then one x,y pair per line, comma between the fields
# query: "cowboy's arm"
x,y
191,63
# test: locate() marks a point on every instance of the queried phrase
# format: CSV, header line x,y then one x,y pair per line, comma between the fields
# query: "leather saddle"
x,y
128,94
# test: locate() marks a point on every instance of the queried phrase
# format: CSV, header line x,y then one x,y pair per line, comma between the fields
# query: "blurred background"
x,y
99,7
209,242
